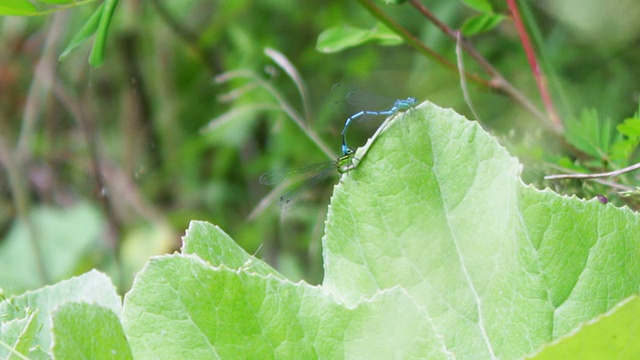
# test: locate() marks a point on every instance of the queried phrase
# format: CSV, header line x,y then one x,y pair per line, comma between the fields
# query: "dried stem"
x,y
594,176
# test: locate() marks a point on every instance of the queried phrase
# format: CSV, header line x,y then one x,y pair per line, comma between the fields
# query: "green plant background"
x,y
103,167
433,285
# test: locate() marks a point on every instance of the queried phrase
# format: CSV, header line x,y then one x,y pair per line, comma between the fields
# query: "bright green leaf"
x,y
88,29
28,8
625,148
96,58
436,207
385,36
201,235
82,330
58,2
92,287
611,336
17,8
342,37
182,305
630,127
590,134
483,6
481,23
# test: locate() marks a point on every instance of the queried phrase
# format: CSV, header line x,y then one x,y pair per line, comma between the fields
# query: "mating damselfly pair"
x,y
310,176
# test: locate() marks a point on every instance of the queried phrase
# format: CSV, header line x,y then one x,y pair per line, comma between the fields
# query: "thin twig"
x,y
87,129
415,42
497,82
284,104
594,176
40,87
463,79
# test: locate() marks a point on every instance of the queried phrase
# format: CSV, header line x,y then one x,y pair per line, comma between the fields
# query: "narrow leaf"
x,y
88,29
96,58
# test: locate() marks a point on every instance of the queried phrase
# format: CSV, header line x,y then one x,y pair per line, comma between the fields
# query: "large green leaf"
x,y
611,336
181,306
31,313
501,267
433,248
82,330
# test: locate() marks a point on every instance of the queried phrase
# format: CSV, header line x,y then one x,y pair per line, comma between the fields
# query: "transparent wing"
x,y
288,199
279,176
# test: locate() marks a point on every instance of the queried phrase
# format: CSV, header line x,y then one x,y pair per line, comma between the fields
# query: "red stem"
x,y
541,80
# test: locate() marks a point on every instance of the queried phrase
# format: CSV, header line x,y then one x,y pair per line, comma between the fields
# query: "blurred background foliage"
x,y
105,166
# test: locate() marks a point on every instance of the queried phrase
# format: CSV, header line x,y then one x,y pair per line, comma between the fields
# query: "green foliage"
x,y
96,58
30,314
85,330
63,246
88,29
98,23
590,134
630,139
486,21
433,245
611,333
343,37
17,7
606,148
41,7
481,23
433,249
